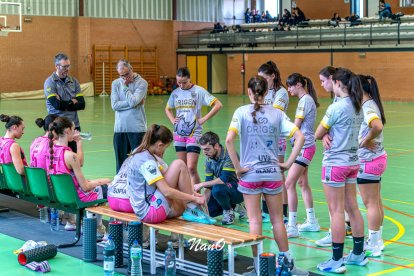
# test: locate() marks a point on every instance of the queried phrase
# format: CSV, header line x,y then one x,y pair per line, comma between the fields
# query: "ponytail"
x,y
369,84
57,128
311,90
353,85
154,134
11,120
270,68
40,122
258,86
51,136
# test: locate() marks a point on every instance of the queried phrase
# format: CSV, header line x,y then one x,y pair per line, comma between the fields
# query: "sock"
x,y
373,236
337,250
358,245
287,254
264,207
292,218
310,213
380,234
285,210
191,205
39,267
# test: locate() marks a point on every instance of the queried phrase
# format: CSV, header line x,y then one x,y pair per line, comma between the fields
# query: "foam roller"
x,y
135,232
116,232
38,254
267,264
89,239
215,261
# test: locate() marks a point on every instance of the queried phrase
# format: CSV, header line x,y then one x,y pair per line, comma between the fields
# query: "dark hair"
x,y
57,127
11,120
369,84
270,68
258,85
353,84
209,138
59,57
183,72
46,121
327,71
306,82
155,133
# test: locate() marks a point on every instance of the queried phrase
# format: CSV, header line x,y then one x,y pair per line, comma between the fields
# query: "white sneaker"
x,y
241,210
292,231
309,227
325,241
70,227
381,244
372,250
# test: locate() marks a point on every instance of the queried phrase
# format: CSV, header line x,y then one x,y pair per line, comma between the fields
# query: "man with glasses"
x,y
127,100
63,93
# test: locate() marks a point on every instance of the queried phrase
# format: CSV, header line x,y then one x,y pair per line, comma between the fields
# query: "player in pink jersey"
x,y
39,149
10,151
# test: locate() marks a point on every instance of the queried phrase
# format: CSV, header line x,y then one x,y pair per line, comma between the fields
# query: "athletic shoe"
x,y
285,220
372,250
325,241
228,217
332,266
294,270
250,273
146,244
70,227
381,244
265,217
241,210
348,232
196,215
353,259
309,227
292,231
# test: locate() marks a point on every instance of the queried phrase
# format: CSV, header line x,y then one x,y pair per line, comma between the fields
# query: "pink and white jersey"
x,y
39,151
259,142
5,155
59,167
188,104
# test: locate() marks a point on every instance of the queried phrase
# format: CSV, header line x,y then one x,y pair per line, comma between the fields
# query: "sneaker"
x,y
292,231
309,227
175,240
250,273
372,250
196,215
332,266
228,217
146,244
348,232
325,241
381,244
265,217
287,265
70,227
353,259
241,210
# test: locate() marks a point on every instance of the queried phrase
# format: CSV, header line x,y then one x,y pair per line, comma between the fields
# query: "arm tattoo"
x,y
74,158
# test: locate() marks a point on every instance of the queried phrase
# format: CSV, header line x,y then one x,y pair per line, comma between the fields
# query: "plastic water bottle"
x,y
86,135
170,269
54,219
109,257
43,215
136,257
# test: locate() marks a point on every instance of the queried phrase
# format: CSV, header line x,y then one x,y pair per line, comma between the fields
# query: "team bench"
x,y
231,237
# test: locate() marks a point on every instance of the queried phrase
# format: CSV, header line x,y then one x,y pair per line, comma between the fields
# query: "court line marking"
x,y
391,270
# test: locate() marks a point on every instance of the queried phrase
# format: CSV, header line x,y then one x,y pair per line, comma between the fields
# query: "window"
x,y
273,7
406,3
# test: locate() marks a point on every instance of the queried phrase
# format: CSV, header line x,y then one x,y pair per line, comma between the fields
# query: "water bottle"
x,y
86,136
109,257
43,215
54,219
170,269
136,257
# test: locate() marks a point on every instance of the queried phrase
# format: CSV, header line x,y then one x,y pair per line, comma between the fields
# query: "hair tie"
x,y
157,127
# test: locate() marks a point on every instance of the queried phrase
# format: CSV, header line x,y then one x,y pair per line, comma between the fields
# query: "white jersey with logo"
x,y
119,186
144,170
343,124
282,99
270,96
188,104
306,111
258,142
371,112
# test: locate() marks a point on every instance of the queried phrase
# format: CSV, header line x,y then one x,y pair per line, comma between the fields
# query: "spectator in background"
x,y
335,20
285,17
354,19
279,28
247,15
269,18
384,10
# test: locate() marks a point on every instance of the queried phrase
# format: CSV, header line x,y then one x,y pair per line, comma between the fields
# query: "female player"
x,y
187,100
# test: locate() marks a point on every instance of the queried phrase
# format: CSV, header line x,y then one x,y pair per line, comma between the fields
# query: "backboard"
x,y
10,17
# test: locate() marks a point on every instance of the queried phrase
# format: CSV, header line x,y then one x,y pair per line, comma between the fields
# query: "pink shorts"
x,y
338,176
281,148
371,171
187,144
120,204
305,156
260,187
159,210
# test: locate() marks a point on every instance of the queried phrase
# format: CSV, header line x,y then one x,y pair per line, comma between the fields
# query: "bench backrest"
x,y
65,191
36,179
3,185
13,180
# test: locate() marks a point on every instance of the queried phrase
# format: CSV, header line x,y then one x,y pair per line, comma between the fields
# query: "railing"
x,y
367,34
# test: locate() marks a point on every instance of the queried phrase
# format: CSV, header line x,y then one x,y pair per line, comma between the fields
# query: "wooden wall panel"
x,y
313,10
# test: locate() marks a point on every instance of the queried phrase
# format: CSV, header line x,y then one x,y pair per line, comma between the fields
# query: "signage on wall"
x,y
346,1
293,4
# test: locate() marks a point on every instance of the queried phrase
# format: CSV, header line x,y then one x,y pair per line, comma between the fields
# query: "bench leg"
x,y
180,247
78,231
259,251
231,259
152,251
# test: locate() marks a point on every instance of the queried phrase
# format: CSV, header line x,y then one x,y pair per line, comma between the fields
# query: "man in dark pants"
x,y
127,99
63,93
221,181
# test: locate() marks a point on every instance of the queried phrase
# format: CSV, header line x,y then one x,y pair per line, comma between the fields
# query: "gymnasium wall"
x,y
312,9
392,70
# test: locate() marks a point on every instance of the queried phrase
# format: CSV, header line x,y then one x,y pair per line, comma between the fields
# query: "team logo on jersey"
x,y
184,128
151,169
159,202
175,95
263,120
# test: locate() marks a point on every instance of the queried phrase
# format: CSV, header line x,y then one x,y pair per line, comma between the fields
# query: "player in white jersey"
x,y
259,127
340,167
373,162
302,87
187,100
279,98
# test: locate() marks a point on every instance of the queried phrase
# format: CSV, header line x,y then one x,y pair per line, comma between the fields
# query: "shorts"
x,y
120,204
93,195
371,171
187,144
159,209
337,176
260,187
281,147
305,156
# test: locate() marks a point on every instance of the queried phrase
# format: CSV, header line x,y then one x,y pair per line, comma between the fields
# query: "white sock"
x,y
310,213
380,233
292,218
287,255
191,205
373,236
